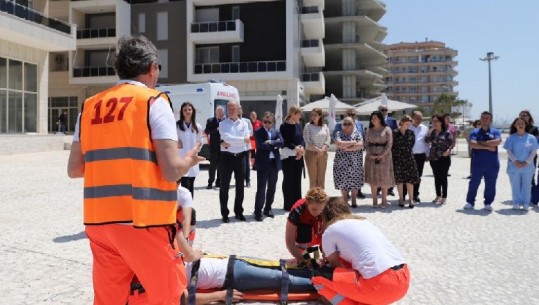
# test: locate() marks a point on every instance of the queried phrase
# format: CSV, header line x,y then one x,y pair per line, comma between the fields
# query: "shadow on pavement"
x,y
475,212
511,212
214,223
68,238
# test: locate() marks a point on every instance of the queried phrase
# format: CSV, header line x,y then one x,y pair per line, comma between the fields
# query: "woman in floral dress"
x,y
404,166
348,163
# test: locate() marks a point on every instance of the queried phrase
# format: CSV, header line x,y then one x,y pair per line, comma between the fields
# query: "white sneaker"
x,y
487,208
516,206
526,208
468,206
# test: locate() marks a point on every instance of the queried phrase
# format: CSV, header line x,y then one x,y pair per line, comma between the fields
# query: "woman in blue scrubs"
x,y
521,149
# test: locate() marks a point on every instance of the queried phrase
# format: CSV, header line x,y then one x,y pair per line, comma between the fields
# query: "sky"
x,y
473,28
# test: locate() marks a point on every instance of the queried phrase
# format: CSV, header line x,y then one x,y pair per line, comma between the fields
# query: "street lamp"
x,y
490,57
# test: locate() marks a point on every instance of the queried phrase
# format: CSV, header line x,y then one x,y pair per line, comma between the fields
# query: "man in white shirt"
x,y
234,139
420,150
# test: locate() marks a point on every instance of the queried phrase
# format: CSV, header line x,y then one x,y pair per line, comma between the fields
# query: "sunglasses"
x,y
383,110
347,124
268,122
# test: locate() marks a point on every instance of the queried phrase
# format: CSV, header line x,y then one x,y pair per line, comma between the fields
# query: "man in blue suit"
x,y
267,165
359,127
392,123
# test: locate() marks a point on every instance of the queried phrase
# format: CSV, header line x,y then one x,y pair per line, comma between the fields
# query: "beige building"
x,y
419,72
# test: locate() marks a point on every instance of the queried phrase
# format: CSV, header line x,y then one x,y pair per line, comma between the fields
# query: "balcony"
x,y
314,83
93,75
312,20
313,53
230,31
96,33
241,67
320,3
22,25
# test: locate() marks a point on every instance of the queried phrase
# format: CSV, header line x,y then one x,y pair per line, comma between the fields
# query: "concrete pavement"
x,y
455,256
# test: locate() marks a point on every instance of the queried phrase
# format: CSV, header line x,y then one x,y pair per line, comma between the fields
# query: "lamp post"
x,y
490,57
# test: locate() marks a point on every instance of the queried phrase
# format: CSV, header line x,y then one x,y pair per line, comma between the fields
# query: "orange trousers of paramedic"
x,y
350,288
121,251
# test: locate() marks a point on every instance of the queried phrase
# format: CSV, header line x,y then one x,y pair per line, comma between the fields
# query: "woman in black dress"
x,y
404,166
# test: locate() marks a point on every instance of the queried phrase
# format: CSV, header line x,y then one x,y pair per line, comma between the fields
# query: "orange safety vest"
x,y
122,180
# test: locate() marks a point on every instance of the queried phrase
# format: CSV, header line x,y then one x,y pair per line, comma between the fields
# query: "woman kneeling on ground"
x,y
304,226
369,269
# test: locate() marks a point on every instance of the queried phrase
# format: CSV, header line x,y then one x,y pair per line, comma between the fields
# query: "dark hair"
x,y
440,118
380,117
530,120
193,117
135,56
320,117
487,113
476,122
513,129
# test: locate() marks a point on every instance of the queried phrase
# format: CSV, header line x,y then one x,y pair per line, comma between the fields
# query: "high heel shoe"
x,y
411,205
437,200
401,204
443,201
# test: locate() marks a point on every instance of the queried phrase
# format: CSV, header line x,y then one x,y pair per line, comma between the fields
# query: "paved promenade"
x,y
455,256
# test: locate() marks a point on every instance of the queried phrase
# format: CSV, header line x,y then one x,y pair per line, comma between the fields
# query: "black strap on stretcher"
x,y
284,282
229,280
192,285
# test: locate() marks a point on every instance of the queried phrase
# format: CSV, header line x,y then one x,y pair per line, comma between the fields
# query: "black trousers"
x,y
440,168
266,178
292,170
227,165
214,166
188,183
420,164
248,166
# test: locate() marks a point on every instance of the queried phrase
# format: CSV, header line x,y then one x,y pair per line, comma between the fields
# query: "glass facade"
x,y
18,96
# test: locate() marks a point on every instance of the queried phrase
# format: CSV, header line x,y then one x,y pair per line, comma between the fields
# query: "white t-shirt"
x,y
189,139
162,122
211,273
363,245
185,199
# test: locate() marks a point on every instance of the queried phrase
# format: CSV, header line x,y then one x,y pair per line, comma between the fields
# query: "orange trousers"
x,y
350,288
121,251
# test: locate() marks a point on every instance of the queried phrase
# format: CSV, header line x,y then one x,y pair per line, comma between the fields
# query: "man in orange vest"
x,y
125,147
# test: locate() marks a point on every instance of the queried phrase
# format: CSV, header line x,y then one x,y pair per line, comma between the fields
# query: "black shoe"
x,y
269,214
217,184
416,199
391,193
209,187
248,184
448,175
241,217
258,217
360,195
226,219
469,177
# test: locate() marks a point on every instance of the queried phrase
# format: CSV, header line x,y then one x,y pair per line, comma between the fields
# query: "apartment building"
x,y
419,72
27,36
264,48
355,61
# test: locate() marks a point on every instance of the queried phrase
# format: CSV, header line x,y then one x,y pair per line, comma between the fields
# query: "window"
x,y
207,55
162,26
235,53
163,60
15,75
30,77
235,12
142,23
3,73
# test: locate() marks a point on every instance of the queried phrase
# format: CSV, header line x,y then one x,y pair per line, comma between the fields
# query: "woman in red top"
x,y
304,227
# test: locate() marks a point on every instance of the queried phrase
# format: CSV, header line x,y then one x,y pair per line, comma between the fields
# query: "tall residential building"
x,y
355,62
263,47
419,72
27,36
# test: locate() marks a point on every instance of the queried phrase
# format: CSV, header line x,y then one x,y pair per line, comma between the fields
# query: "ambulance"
x,y
205,97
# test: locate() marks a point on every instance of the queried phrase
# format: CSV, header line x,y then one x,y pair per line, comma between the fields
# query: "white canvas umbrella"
x,y
371,105
324,105
279,111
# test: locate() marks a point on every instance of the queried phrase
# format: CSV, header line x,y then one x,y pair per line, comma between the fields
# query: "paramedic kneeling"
x,y
369,269
125,147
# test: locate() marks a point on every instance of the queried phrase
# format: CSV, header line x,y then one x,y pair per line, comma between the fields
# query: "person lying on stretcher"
x,y
219,278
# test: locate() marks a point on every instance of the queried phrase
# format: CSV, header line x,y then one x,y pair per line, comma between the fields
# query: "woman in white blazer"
x,y
189,133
